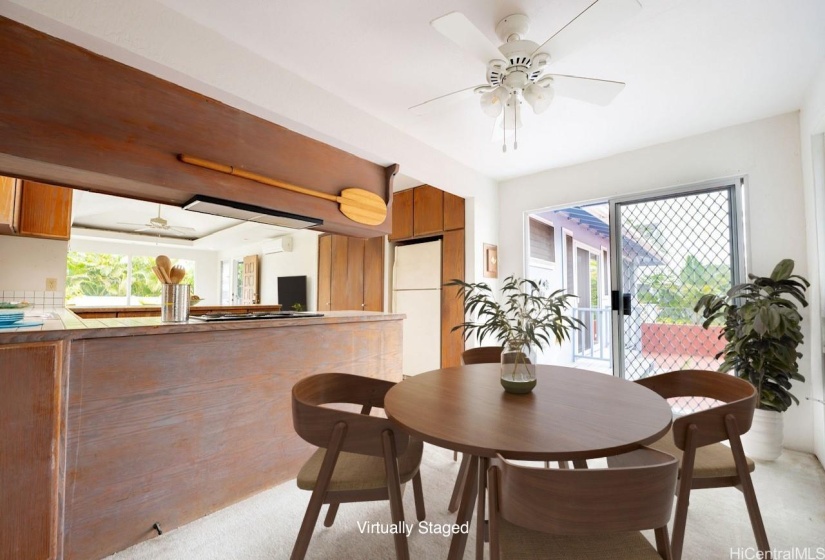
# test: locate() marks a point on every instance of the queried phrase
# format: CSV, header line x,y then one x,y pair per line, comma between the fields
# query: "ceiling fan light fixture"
x,y
492,102
539,97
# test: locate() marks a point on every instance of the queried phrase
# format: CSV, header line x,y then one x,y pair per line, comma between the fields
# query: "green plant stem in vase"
x,y
524,321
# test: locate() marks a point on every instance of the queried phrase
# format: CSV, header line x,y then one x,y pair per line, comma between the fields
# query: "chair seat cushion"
x,y
518,543
360,472
712,461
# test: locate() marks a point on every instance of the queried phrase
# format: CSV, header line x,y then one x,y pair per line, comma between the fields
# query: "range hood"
x,y
240,211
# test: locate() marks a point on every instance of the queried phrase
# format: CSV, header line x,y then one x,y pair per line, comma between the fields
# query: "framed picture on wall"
x,y
490,261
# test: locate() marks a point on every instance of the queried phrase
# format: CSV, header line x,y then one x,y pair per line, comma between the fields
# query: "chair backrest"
x,y
482,355
739,396
587,501
315,422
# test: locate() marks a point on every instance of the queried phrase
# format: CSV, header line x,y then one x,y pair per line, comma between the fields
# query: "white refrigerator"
x,y
417,293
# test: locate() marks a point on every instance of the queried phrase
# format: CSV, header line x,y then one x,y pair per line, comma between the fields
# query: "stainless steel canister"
x,y
174,303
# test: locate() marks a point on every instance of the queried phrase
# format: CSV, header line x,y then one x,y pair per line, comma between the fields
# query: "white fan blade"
x,y
131,224
591,90
183,229
443,101
599,18
457,28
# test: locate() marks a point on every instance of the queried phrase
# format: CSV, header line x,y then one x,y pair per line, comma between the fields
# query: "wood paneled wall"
x,y
168,428
29,450
78,119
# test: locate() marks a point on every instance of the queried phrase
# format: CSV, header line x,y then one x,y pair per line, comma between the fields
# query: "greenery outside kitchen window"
x,y
104,279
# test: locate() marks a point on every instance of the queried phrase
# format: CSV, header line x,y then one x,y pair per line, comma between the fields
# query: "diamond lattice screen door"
x,y
667,251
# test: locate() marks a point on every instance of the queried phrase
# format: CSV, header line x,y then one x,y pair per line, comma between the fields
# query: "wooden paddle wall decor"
x,y
75,118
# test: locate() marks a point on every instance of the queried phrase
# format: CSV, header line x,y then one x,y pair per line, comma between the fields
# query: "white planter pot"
x,y
764,440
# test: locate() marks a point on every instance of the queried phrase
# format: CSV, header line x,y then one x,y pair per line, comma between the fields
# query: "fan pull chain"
x,y
515,125
504,129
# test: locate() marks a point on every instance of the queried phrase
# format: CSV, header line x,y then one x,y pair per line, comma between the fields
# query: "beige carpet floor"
x,y
791,493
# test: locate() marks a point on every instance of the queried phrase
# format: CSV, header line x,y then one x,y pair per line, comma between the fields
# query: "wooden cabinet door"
x,y
9,205
338,273
428,210
374,274
29,462
453,212
452,308
324,273
402,215
251,293
45,211
355,274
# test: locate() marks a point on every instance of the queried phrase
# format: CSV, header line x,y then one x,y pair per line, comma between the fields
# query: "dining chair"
x,y
359,457
582,513
695,440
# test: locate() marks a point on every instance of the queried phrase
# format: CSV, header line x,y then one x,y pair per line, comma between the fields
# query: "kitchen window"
x,y
106,279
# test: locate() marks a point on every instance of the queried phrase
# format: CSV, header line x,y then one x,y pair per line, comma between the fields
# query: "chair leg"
x,y
492,495
318,493
663,543
455,455
677,540
418,493
564,465
747,487
481,522
402,551
580,463
460,481
330,518
465,510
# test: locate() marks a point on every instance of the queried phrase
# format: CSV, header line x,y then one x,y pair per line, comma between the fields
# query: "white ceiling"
x,y
690,66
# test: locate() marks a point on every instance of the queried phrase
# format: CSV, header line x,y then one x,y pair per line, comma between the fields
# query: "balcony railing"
x,y
593,340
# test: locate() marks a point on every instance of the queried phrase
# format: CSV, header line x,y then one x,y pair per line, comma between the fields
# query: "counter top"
x,y
192,309
62,324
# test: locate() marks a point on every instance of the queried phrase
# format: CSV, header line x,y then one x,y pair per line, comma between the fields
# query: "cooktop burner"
x,y
218,316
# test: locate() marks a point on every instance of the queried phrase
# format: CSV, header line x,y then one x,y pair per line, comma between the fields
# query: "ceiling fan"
x,y
158,225
517,70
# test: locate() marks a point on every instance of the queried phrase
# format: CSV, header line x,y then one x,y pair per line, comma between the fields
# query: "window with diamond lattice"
x,y
674,250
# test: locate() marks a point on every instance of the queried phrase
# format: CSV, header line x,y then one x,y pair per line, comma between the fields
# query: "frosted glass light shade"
x,y
539,97
492,102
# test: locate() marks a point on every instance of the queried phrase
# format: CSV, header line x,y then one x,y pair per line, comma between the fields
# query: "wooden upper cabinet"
x,y
9,205
45,211
453,212
402,215
428,210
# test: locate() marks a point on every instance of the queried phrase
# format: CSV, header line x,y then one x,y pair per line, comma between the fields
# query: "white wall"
x,y
207,265
812,135
767,151
302,261
26,262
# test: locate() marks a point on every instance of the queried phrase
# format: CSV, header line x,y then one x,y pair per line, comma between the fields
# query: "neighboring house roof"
x,y
640,250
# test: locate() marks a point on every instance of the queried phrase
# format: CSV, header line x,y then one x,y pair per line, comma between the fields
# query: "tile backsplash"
x,y
41,300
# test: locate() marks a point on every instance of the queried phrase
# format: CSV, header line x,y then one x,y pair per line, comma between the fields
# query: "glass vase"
x,y
518,367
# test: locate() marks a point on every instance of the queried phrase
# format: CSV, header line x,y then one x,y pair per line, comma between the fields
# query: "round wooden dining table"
x,y
572,414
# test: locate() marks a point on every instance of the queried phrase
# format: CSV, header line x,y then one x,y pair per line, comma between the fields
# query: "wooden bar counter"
x,y
113,425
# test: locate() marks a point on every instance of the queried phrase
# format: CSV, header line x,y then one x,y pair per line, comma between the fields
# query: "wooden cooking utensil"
x,y
177,273
159,274
164,266
358,205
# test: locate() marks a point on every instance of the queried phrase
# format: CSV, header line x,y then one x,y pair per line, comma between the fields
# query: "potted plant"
x,y
762,328
525,321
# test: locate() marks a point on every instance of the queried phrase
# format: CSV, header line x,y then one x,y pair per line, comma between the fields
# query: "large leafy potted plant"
x,y
524,321
762,328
